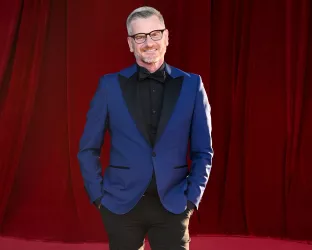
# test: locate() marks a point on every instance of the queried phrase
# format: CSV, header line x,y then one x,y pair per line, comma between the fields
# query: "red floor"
x,y
202,243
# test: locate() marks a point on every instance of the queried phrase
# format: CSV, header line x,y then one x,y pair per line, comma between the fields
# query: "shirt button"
x,y
154,112
154,90
154,154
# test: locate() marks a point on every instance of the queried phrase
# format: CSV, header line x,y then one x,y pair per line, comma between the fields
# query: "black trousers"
x,y
165,230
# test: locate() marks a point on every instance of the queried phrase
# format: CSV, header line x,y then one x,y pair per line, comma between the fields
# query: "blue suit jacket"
x,y
185,118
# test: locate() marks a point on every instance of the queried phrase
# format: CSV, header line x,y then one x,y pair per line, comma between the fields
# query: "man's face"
x,y
150,51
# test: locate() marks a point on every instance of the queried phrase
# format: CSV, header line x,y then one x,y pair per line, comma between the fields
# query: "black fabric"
x,y
136,99
159,75
130,92
151,89
165,230
170,98
151,95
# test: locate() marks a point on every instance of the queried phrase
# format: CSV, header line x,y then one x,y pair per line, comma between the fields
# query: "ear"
x,y
130,44
167,37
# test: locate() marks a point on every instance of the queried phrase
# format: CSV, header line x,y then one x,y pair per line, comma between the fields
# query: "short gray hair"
x,y
143,12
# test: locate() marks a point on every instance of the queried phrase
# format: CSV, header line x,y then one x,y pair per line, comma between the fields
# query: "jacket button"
x,y
153,154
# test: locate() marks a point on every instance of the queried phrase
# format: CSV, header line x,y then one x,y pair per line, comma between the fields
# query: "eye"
x,y
156,34
139,37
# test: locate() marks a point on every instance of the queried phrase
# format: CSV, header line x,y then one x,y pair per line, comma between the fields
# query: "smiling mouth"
x,y
150,50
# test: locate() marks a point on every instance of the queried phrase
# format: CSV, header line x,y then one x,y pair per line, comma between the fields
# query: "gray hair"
x,y
143,12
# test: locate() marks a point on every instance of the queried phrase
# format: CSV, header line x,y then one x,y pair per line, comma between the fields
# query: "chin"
x,y
150,60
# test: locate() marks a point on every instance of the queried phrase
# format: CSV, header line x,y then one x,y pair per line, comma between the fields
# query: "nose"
x,y
149,41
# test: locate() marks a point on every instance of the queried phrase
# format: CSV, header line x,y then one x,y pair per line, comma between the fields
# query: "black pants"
x,y
165,230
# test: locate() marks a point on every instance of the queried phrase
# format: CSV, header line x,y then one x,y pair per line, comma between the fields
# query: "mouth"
x,y
149,50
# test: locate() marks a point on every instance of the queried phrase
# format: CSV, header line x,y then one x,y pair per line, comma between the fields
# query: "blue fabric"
x,y
132,159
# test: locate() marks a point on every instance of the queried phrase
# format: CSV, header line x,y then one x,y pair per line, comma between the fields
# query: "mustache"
x,y
149,47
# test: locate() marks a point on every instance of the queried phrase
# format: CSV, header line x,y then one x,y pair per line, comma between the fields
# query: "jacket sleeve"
x,y
91,143
201,151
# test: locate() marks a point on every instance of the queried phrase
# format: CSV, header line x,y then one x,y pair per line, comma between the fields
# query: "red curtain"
x,y
256,63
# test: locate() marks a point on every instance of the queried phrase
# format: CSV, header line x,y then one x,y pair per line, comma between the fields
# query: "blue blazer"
x,y
185,118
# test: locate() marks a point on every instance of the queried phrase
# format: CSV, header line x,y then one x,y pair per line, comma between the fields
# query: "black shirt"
x,y
151,94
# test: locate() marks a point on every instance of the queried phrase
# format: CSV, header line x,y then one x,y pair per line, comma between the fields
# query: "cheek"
x,y
139,48
135,49
163,45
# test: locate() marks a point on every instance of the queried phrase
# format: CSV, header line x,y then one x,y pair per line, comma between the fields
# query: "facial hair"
x,y
149,59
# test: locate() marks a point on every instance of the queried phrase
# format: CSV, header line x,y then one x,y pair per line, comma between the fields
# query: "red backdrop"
x,y
255,61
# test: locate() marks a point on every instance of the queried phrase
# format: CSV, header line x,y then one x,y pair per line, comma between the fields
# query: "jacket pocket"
x,y
183,166
120,167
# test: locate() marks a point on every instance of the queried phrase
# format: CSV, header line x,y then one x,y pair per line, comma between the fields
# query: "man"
x,y
151,110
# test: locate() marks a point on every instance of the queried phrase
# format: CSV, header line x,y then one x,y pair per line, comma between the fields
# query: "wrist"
x,y
190,205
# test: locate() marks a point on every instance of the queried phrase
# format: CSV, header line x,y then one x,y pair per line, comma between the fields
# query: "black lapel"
x,y
130,94
171,95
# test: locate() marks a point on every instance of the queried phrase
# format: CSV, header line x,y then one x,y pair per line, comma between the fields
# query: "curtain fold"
x,y
298,79
19,97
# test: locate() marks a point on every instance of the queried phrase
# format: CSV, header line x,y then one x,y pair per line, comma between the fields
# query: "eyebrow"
x,y
147,32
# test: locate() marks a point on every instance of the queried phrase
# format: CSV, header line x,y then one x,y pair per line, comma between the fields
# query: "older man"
x,y
152,111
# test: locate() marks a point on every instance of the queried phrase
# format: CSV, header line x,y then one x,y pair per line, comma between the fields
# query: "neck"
x,y
151,67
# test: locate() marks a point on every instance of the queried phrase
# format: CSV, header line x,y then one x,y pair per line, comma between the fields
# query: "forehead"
x,y
145,25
